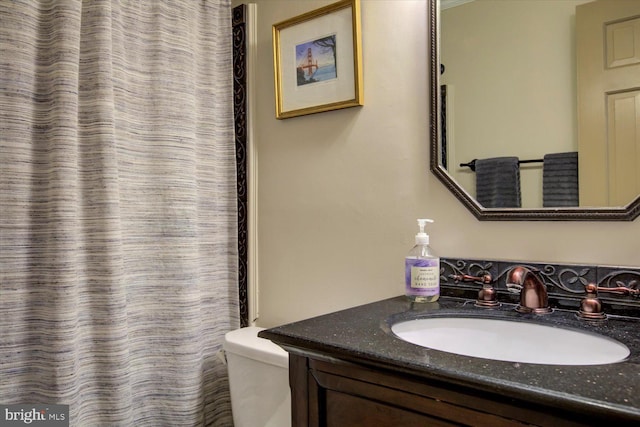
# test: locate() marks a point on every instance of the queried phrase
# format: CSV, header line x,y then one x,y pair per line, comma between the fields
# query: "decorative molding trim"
x,y
240,123
252,163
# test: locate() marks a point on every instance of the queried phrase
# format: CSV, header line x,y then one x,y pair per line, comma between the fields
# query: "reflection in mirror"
x,y
512,81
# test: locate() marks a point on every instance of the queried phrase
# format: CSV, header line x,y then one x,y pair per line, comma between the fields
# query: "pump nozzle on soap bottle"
x,y
422,268
422,238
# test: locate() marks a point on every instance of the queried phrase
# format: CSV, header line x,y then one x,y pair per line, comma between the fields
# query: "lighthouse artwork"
x,y
316,61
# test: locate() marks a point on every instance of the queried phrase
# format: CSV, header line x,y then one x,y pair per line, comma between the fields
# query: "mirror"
x,y
471,108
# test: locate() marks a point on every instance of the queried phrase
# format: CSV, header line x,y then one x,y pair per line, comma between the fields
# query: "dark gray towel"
x,y
560,180
498,182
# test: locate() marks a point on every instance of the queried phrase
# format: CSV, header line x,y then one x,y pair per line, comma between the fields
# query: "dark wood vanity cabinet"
x,y
334,393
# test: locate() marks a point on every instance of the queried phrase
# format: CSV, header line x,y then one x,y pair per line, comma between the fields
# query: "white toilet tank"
x,y
258,379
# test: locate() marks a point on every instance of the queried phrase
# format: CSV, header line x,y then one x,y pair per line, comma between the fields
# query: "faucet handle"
x,y
484,279
486,295
590,306
620,290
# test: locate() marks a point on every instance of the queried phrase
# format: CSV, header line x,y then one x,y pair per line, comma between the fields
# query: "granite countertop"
x,y
362,334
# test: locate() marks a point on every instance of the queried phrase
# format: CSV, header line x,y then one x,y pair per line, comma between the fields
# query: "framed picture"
x,y
317,60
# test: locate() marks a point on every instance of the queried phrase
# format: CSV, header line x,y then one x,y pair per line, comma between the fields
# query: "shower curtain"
x,y
118,234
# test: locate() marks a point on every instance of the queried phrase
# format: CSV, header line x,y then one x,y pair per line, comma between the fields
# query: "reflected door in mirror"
x,y
608,66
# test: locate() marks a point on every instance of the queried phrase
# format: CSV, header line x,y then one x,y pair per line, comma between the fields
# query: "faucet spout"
x,y
533,292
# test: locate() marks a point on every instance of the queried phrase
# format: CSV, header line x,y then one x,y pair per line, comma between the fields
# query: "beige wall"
x,y
339,192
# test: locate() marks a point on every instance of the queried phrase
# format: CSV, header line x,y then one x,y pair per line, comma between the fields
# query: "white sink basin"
x,y
511,341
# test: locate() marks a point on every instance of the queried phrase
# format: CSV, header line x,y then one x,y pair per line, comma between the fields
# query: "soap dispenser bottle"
x,y
422,269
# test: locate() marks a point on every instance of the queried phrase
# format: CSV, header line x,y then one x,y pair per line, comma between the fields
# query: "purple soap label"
x,y
422,276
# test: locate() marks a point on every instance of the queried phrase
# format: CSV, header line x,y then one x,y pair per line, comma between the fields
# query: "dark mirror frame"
x,y
627,213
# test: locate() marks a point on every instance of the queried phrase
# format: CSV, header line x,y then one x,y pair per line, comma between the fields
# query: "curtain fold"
x,y
118,235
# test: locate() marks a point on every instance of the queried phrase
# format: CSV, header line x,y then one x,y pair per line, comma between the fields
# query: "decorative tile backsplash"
x,y
565,282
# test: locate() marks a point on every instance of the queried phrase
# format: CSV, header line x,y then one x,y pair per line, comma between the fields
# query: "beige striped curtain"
x,y
118,235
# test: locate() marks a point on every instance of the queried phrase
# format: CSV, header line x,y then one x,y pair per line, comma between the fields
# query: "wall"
x,y
506,78
339,192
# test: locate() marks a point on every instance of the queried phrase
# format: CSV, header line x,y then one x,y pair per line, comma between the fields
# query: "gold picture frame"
x,y
317,59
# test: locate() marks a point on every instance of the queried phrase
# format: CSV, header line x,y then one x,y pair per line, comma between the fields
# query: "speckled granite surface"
x,y
362,334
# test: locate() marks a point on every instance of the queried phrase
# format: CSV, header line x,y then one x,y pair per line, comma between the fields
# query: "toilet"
x,y
258,379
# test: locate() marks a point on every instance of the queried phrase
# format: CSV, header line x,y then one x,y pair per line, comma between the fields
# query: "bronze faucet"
x,y
533,291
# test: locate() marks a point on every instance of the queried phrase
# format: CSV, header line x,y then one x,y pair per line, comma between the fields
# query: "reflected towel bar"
x,y
472,164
